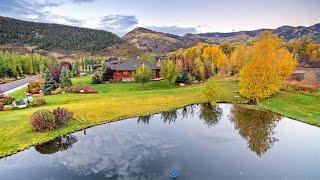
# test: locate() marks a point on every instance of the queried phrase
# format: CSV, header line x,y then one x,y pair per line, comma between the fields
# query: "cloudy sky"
x,y
171,16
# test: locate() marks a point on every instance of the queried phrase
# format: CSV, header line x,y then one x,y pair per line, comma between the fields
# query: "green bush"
x,y
169,71
96,79
183,78
43,120
142,75
212,91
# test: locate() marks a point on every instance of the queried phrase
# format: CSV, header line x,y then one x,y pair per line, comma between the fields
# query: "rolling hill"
x,y
54,36
156,42
71,42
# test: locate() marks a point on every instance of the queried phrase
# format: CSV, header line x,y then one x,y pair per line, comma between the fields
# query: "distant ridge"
x,y
45,37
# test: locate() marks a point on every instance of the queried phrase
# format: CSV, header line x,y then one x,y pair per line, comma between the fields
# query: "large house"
x,y
123,70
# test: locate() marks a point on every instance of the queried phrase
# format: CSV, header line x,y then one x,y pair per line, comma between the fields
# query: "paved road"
x,y
18,83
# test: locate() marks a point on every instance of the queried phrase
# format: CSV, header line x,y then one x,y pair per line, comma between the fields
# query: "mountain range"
x,y
70,42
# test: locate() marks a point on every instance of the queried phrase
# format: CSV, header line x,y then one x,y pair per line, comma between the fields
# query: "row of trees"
x,y
202,60
17,65
305,50
262,65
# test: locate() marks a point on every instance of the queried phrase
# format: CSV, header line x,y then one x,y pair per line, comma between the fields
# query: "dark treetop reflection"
x,y
203,141
256,126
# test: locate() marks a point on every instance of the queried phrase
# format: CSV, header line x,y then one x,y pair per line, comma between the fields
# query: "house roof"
x,y
129,65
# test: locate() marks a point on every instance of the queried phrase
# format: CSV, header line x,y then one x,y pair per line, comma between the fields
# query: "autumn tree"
x,y
305,50
142,74
212,55
268,65
227,48
212,91
169,71
237,59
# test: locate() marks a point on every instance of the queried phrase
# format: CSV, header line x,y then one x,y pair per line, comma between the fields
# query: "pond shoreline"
x,y
257,107
118,101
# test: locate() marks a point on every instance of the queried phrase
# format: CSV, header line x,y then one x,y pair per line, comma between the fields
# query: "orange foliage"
x,y
268,65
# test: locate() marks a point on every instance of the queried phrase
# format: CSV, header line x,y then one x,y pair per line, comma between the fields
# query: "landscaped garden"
x,y
119,100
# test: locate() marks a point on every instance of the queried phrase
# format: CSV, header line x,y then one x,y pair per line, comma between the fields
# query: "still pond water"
x,y
200,142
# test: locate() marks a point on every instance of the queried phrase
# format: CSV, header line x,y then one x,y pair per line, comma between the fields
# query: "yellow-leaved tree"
x,y
267,66
213,54
238,58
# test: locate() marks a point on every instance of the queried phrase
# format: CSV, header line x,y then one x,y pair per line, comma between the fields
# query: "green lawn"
x,y
119,100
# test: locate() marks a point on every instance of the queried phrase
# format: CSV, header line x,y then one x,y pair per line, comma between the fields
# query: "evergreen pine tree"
x,y
65,80
106,72
49,84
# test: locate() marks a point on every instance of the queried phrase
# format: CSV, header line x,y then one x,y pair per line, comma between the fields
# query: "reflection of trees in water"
x,y
210,114
56,145
144,119
256,127
169,116
188,111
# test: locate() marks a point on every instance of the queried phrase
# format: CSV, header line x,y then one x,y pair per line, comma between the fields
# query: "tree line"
x,y
262,66
17,65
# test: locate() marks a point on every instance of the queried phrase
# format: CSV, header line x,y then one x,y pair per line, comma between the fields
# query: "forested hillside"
x,y
54,36
284,32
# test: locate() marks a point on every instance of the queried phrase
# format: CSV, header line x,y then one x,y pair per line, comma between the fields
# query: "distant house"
x,y
123,70
299,73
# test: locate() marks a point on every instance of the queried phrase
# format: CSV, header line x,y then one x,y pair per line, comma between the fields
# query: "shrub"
x,y
57,91
7,100
96,79
89,89
183,78
310,78
34,87
67,89
142,75
1,107
62,116
40,101
83,89
43,120
212,91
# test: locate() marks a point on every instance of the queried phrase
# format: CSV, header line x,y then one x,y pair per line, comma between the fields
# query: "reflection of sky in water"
x,y
116,151
205,142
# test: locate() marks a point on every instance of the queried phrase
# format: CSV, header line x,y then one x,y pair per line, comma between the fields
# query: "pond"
x,y
199,142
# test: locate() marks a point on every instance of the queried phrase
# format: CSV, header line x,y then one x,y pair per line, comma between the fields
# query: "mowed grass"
x,y
120,100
